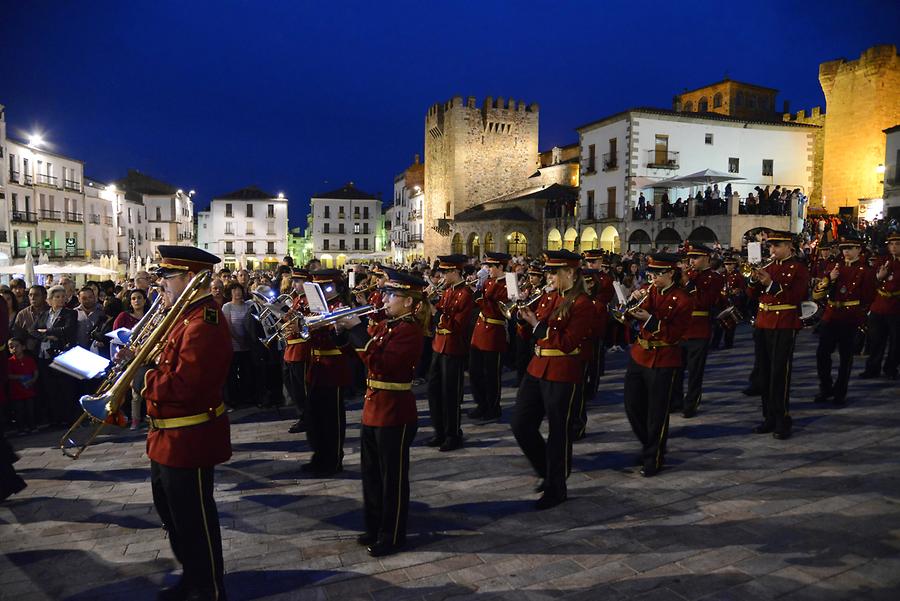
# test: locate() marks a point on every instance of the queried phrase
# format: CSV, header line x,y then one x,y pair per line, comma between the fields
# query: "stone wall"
x,y
473,154
815,117
862,99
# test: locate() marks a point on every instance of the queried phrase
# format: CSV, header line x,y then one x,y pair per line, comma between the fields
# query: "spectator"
x,y
217,289
32,317
19,288
58,335
90,315
240,377
112,308
23,376
12,306
137,304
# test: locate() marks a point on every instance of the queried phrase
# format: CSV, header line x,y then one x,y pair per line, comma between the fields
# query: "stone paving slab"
x,y
734,516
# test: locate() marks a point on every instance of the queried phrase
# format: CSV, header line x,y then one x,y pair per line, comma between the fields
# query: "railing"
x,y
662,159
51,215
14,176
79,217
156,238
24,216
610,161
71,184
590,165
52,253
416,238
95,219
107,220
28,180
46,180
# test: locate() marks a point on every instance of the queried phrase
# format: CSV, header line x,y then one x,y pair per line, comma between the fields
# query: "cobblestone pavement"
x,y
735,515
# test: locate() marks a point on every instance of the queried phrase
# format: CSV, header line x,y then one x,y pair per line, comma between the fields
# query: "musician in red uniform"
x,y
821,265
704,286
296,352
450,349
554,374
735,294
189,430
602,293
489,340
884,315
780,287
656,358
389,419
850,288
375,299
524,348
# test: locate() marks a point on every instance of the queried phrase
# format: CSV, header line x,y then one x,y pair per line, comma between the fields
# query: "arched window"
x,y
703,105
457,244
570,238
717,100
473,246
516,244
554,240
688,107
489,242
588,239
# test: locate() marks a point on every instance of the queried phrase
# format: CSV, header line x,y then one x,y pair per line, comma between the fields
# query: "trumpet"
x,y
620,312
507,309
364,289
307,325
434,291
747,269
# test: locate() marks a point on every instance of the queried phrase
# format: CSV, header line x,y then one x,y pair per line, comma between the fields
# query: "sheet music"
x,y
620,292
315,297
512,286
351,279
80,363
754,253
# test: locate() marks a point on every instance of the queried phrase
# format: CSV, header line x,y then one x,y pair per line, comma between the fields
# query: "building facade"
x,y
101,208
248,226
624,154
890,169
169,210
346,224
404,219
731,98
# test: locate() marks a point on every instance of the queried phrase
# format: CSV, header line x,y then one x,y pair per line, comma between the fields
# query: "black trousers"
x,y
594,369
326,426
385,479
524,351
445,391
240,379
833,336
296,380
551,458
184,501
774,356
484,377
648,394
719,332
884,338
693,354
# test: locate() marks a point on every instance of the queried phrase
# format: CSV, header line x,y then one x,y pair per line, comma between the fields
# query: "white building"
x,y
169,211
132,232
891,165
345,226
248,225
101,210
625,153
404,219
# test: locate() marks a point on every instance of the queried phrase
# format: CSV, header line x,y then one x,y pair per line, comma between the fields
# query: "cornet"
x,y
507,309
620,312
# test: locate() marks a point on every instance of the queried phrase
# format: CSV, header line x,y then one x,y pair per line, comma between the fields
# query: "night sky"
x,y
301,97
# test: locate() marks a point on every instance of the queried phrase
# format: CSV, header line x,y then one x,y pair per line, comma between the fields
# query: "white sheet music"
x,y
315,297
80,363
754,253
512,286
351,278
620,292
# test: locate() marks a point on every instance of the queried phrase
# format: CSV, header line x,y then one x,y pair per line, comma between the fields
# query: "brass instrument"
x,y
507,309
747,269
309,324
363,289
145,344
620,312
433,292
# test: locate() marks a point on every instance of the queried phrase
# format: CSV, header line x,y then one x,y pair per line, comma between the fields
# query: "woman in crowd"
x,y
240,378
58,335
12,305
137,304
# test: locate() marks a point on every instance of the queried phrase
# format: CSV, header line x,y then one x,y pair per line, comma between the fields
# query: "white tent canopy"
x,y
56,268
706,177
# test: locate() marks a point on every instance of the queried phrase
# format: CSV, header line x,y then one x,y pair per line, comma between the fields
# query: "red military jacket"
x,y
390,355
490,329
736,281
455,306
559,341
705,289
603,294
297,350
670,316
850,295
887,294
820,268
779,303
376,299
329,365
188,380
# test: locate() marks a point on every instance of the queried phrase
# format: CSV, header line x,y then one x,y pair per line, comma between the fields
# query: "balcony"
x,y
52,253
108,220
24,217
71,184
74,217
14,177
48,215
415,238
3,237
44,179
28,180
610,161
589,165
95,219
662,159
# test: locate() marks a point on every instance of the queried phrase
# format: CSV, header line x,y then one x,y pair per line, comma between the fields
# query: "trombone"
x,y
308,325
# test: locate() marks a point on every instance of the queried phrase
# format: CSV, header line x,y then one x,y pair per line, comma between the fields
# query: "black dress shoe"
x,y
178,592
840,401
365,539
866,375
476,413
435,441
688,413
764,428
649,472
822,397
382,548
781,434
548,500
299,426
751,391
451,444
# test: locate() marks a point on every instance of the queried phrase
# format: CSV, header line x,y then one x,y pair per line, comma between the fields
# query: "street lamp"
x,y
35,140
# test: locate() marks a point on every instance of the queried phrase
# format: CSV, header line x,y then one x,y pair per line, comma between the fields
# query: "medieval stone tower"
x,y
862,98
473,154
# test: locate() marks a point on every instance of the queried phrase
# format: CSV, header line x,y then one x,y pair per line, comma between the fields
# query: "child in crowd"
x,y
23,375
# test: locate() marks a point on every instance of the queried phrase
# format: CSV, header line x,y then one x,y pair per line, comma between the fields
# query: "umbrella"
x,y
705,177
43,258
29,269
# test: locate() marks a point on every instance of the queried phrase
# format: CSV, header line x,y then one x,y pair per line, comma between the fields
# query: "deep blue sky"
x,y
301,97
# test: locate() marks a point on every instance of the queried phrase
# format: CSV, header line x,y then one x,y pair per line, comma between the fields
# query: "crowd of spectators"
x,y
712,201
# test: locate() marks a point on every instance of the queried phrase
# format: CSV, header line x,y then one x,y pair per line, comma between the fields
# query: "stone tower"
x,y
473,154
862,98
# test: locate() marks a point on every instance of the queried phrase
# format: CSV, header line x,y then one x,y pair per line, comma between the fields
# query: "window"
x,y
250,231
229,247
355,228
365,212
270,248
592,158
342,244
768,167
157,233
734,165
688,107
159,213
717,100
590,204
270,229
356,212
365,244
249,210
702,105
229,228
340,212
751,101
228,211
709,139
250,250
327,214
739,98
341,228
611,203
326,228
365,228
356,244
326,244
270,212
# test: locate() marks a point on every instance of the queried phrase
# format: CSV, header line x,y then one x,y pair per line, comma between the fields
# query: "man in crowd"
x,y
90,315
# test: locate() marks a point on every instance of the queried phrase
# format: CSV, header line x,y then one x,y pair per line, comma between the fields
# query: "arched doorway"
x,y
554,240
327,261
516,243
639,240
473,246
609,239
489,242
341,261
703,235
456,246
668,237
588,239
570,238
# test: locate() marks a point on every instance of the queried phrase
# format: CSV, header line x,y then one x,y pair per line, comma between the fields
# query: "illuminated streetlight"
x,y
281,195
35,140
879,169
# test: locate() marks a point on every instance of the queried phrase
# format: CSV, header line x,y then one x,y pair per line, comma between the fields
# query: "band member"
x,y
189,430
736,295
389,418
821,265
602,293
656,358
378,277
704,286
551,385
850,289
524,348
489,340
450,348
297,352
780,287
884,317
